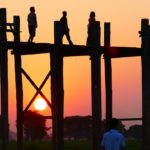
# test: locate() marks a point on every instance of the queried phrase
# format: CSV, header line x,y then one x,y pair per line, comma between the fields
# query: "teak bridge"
x,y
56,53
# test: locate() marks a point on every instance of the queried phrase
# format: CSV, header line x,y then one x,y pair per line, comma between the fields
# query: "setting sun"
x,y
40,104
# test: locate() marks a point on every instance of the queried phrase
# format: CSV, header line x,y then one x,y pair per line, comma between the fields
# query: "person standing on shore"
x,y
113,139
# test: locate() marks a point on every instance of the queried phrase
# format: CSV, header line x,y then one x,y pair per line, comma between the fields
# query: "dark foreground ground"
x,y
71,145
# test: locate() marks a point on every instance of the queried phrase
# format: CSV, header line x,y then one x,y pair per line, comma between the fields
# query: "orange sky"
x,y
125,17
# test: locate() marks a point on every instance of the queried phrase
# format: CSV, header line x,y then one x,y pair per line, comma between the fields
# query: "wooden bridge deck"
x,y
25,48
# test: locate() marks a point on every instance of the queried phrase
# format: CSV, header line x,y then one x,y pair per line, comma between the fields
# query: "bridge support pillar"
x,y
4,79
57,92
96,85
145,35
108,74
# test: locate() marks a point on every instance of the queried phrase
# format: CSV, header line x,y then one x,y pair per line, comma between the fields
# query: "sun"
x,y
40,104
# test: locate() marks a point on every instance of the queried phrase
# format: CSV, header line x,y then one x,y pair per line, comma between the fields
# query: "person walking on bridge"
x,y
32,24
64,28
90,25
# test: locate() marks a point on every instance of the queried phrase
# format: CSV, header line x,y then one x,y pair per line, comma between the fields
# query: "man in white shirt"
x,y
113,140
32,24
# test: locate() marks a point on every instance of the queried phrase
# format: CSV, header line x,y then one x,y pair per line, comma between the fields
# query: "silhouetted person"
x,y
92,21
113,140
64,28
32,24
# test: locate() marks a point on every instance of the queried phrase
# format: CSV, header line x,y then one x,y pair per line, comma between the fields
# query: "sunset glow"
x,y
125,18
40,104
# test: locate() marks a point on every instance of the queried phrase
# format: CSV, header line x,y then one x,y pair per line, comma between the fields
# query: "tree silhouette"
x,y
34,126
135,131
77,127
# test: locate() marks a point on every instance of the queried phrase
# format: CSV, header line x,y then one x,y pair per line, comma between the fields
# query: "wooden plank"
x,y
4,78
25,48
9,30
118,52
130,119
10,24
45,117
39,48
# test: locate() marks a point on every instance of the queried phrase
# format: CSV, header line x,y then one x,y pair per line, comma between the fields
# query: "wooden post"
x,y
4,79
145,35
19,90
57,32
57,92
108,74
96,85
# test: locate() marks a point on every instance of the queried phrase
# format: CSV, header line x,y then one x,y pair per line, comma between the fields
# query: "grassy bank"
x,y
70,145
